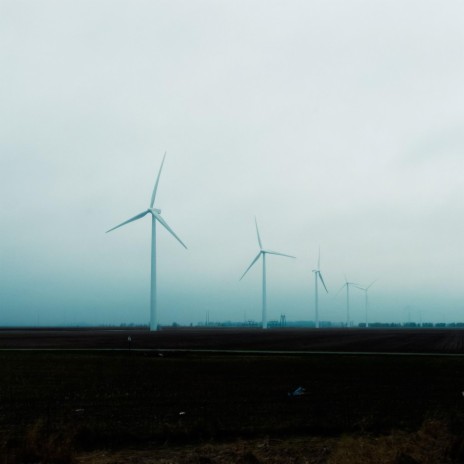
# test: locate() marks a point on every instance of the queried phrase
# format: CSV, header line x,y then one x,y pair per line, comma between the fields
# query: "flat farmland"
x,y
145,405
438,341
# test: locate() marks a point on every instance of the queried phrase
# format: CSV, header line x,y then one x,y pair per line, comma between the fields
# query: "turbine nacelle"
x,y
154,210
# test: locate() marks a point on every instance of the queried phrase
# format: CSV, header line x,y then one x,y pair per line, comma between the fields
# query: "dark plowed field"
x,y
56,405
331,340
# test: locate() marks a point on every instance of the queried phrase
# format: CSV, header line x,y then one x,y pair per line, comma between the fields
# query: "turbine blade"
x,y
322,280
153,195
257,232
370,285
341,288
251,265
139,216
164,223
276,253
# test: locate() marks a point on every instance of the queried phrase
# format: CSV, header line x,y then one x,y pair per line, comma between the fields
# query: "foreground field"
x,y
56,402
69,406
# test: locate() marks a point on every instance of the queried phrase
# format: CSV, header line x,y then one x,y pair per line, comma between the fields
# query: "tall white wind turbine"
x,y
317,277
262,253
347,285
366,301
155,216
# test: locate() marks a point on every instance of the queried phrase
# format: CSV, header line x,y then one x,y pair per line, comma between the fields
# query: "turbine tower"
x,y
347,285
262,253
366,302
155,216
318,276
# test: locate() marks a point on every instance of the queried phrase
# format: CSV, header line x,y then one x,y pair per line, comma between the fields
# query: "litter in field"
x,y
300,391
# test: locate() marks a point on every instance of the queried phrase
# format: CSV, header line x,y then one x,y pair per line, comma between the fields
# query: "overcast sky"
x,y
339,124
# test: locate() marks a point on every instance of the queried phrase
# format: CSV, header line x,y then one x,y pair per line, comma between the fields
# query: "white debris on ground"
x,y
300,391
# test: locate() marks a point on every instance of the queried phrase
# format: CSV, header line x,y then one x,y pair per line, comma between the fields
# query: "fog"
x,y
337,124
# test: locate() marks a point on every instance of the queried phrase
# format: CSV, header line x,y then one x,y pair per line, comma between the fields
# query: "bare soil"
x,y
150,405
448,341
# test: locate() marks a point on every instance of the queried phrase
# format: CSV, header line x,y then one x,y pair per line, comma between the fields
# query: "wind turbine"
x,y
366,303
155,216
347,285
318,276
263,253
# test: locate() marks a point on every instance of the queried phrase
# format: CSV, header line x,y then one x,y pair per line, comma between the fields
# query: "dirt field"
x,y
351,340
159,406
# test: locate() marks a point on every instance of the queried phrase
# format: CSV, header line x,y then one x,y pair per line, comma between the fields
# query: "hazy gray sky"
x,y
338,124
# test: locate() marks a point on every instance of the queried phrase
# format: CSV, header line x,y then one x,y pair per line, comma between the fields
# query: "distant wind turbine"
x,y
347,285
366,302
263,253
155,216
318,276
